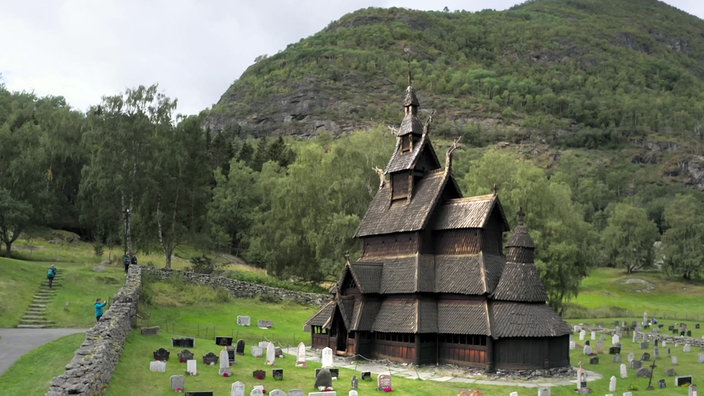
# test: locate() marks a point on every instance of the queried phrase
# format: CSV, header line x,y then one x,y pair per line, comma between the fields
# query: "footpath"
x,y
16,342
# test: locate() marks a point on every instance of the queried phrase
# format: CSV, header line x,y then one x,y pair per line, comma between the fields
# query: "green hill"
x,y
585,73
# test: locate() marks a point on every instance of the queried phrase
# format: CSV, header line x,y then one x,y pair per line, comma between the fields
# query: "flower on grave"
x,y
388,389
178,389
260,376
225,374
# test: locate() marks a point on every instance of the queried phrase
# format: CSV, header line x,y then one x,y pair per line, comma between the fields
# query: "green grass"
x,y
32,373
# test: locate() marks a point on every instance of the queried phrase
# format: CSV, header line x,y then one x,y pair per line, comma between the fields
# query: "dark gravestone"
x,y
240,347
645,357
671,327
186,342
185,355
354,384
636,364
323,379
161,354
644,345
662,384
278,374
223,341
231,355
643,372
697,326
334,372
154,330
366,376
594,360
259,374
614,350
683,380
278,352
210,359
199,393
670,372
689,333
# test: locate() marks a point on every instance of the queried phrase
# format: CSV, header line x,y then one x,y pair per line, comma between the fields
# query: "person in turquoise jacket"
x,y
99,305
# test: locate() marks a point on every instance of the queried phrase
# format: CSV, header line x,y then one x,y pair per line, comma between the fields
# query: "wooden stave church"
x,y
432,285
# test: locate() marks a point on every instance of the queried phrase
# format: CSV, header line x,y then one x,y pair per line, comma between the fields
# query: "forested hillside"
x,y
586,113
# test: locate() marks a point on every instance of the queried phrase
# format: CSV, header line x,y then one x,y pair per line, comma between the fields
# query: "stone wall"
x,y
238,288
94,362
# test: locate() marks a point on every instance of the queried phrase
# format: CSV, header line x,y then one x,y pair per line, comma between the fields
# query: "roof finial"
x,y
521,215
448,158
495,189
407,51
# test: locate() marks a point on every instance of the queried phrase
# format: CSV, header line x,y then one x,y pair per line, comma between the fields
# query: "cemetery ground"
x,y
184,310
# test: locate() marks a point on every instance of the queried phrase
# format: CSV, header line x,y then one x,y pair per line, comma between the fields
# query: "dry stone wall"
x,y
239,288
94,362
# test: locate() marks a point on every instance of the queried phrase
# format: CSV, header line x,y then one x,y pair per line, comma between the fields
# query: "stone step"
x,y
36,322
41,306
34,314
33,326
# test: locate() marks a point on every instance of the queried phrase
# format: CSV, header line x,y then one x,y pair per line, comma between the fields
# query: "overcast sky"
x,y
194,49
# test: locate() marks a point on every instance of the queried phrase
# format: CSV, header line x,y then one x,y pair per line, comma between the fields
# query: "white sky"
x,y
194,49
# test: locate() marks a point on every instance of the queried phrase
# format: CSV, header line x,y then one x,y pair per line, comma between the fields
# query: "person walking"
x,y
126,262
99,305
50,274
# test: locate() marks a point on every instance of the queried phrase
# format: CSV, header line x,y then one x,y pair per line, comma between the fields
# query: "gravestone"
x,y
239,348
645,357
617,358
185,342
199,393
257,392
593,335
237,389
600,346
594,360
636,364
629,393
225,370
582,334
587,350
210,359
643,372
687,348
645,345
675,361
573,345
513,394
161,354
612,384
277,392
329,393
614,350
278,352
231,356
223,341
366,376
692,390
354,383
244,320
265,324
353,392
697,326
656,352
185,355
153,330
689,333
662,384
301,356
683,380
623,371
178,382
323,379
296,392
157,366
670,372
544,392
263,344
326,357
270,354
278,374
664,343
631,357
383,382
259,374
191,368
700,358
257,352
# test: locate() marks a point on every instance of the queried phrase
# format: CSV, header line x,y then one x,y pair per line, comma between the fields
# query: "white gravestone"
x,y
624,371
225,363
674,360
615,339
244,321
257,351
354,393
157,366
271,354
326,358
178,382
301,356
263,344
631,357
573,345
277,392
333,393
513,394
700,358
237,389
627,393
593,335
687,348
582,334
612,384
191,367
544,392
257,392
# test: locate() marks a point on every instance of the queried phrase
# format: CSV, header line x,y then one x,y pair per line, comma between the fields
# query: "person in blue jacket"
x,y
99,305
50,274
